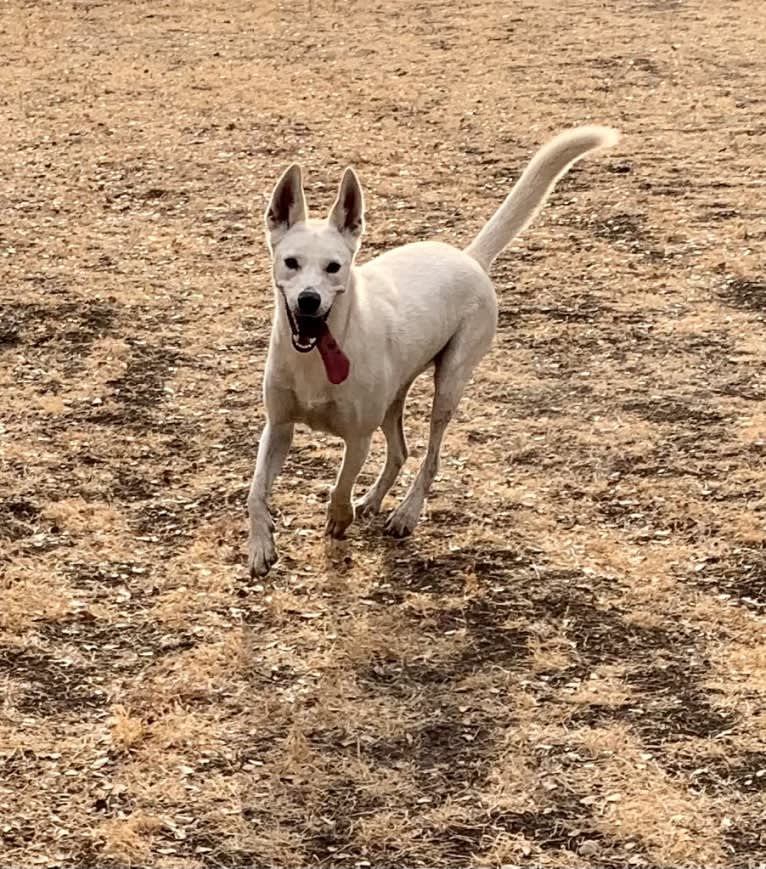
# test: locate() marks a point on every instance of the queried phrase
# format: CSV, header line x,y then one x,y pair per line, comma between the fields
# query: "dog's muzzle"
x,y
305,329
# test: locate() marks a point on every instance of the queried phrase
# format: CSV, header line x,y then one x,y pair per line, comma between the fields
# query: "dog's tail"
x,y
532,189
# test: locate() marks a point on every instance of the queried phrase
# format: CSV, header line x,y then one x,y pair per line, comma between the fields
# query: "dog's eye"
x,y
332,268
291,262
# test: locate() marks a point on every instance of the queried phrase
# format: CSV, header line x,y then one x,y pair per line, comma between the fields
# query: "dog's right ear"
x,y
288,204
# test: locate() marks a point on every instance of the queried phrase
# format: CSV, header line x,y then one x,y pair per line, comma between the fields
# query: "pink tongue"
x,y
336,363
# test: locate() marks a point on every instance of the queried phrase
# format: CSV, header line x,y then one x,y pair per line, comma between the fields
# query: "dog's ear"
x,y
347,212
288,204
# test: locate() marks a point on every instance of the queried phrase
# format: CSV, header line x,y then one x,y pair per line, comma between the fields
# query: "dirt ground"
x,y
566,664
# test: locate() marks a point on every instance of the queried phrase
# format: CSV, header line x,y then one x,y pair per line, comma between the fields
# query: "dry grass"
x,y
566,666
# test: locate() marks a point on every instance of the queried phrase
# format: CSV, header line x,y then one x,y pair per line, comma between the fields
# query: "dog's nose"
x,y
308,302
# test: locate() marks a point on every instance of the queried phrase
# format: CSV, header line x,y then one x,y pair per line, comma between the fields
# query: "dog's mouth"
x,y
309,328
310,332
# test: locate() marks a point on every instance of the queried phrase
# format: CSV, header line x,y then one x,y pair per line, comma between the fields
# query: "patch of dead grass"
x,y
564,666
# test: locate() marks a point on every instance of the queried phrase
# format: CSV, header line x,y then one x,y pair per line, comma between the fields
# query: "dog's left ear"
x,y
347,212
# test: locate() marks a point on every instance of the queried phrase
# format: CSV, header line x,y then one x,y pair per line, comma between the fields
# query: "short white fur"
x,y
418,305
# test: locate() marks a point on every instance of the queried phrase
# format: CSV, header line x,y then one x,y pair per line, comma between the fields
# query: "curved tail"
x,y
532,189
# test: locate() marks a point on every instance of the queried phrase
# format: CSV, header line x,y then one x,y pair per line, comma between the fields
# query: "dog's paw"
x,y
402,522
263,554
339,517
369,505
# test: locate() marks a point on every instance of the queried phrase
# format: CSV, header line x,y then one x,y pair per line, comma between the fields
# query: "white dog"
x,y
348,341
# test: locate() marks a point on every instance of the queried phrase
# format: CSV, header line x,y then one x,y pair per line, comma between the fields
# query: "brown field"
x,y
566,664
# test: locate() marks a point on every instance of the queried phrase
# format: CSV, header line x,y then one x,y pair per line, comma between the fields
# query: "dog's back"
x,y
431,287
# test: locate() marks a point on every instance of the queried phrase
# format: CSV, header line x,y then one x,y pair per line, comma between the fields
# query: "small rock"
x,y
589,848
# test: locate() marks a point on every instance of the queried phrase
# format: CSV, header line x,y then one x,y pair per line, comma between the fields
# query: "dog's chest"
x,y
304,395
321,413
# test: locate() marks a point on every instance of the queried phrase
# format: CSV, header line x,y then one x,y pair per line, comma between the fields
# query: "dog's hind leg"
x,y
272,452
454,367
340,510
396,456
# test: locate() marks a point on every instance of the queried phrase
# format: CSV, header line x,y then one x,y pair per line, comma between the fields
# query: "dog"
x,y
348,341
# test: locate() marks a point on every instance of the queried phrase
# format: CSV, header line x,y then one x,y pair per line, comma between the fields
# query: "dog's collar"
x,y
295,335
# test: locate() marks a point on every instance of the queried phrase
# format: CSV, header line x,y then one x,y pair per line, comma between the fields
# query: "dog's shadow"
x,y
399,566
367,541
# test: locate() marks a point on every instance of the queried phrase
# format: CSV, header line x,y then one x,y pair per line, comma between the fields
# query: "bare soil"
x,y
566,664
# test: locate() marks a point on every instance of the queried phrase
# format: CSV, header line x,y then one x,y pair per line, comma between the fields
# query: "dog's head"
x,y
312,259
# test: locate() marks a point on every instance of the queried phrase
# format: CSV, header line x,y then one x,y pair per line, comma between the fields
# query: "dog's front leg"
x,y
272,452
340,511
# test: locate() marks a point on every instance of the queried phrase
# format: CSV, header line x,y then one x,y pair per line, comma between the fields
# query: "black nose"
x,y
309,302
